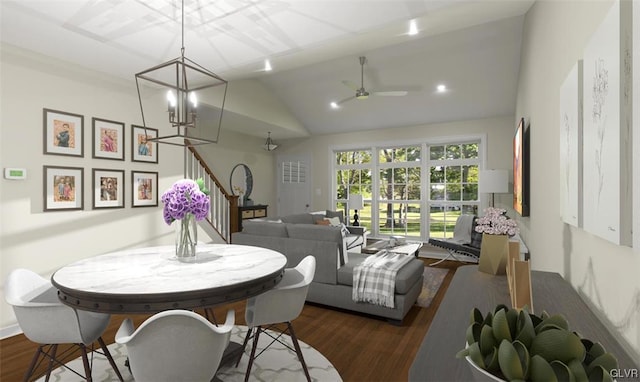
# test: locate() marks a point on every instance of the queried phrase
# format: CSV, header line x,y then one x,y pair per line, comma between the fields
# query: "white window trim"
x,y
374,146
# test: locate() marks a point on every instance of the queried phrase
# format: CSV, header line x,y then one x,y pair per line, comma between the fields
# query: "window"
x,y
453,185
353,174
294,172
413,190
399,191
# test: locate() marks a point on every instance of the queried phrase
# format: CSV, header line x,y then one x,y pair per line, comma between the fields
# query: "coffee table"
x,y
408,247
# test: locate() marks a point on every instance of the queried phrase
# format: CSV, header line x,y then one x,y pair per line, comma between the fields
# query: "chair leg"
x,y
244,345
85,361
253,353
52,358
209,312
107,354
32,366
299,351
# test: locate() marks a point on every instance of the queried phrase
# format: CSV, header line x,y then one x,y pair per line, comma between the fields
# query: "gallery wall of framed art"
x,y
63,186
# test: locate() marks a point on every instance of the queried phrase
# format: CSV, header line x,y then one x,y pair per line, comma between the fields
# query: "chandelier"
x,y
194,97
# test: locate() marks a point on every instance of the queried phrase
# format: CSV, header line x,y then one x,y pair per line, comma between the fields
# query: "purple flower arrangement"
x,y
185,197
495,222
186,201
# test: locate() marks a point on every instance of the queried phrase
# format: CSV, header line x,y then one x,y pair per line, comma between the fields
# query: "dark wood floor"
x,y
362,348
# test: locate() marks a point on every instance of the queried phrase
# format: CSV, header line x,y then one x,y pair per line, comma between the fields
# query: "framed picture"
x,y
108,188
141,150
521,169
606,131
63,133
145,188
571,96
108,139
62,188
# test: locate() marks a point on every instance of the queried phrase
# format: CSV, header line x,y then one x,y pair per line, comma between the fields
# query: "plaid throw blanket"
x,y
374,281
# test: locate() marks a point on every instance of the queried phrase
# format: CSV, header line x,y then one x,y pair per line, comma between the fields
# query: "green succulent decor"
x,y
520,346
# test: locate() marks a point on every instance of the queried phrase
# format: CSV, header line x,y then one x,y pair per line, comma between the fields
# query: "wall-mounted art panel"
x,y
636,126
606,130
571,147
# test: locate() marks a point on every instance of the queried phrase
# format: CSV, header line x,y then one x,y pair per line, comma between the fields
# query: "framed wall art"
x,y
521,169
141,150
62,188
108,188
145,189
606,128
571,96
108,139
636,126
63,133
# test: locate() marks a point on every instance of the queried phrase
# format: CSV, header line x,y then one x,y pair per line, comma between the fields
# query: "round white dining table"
x,y
149,280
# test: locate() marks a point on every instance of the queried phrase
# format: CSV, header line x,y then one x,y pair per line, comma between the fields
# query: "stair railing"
x,y
223,214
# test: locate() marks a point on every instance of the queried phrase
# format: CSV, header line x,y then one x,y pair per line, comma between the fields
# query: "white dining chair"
x,y
282,304
47,322
175,345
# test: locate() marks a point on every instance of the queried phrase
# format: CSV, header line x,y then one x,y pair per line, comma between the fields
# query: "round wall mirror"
x,y
241,180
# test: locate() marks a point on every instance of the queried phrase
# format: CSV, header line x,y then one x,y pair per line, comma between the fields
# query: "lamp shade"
x,y
493,181
356,202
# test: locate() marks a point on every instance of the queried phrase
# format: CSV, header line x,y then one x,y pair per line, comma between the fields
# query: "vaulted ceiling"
x,y
471,47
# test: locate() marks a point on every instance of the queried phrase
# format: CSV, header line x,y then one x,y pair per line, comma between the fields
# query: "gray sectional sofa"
x,y
297,236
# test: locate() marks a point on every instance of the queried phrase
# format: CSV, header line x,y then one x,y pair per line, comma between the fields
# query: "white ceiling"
x,y
473,47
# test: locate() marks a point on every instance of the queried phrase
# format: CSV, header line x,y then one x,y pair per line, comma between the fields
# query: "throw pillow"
x,y
323,222
334,221
335,214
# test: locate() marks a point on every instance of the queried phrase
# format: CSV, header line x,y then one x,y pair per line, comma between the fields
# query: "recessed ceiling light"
x,y
267,66
413,28
441,88
333,105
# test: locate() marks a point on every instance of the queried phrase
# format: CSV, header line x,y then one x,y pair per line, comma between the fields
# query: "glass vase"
x,y
186,238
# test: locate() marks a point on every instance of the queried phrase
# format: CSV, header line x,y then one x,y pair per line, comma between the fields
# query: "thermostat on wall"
x,y
15,173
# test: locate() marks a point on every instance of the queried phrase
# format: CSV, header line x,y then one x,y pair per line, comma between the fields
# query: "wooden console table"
x,y
436,358
250,212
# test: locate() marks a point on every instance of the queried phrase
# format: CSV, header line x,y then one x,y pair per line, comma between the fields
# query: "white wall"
x,y
45,241
605,274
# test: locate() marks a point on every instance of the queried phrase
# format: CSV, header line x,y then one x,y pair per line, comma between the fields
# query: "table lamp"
x,y
356,203
493,181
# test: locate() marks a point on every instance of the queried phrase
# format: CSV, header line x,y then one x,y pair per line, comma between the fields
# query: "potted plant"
x,y
513,345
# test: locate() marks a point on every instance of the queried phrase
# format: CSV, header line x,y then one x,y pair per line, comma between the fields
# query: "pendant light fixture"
x,y
269,145
194,99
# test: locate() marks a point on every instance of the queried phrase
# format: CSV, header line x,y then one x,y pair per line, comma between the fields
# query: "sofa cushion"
x,y
322,222
298,219
314,232
335,214
405,279
264,228
320,233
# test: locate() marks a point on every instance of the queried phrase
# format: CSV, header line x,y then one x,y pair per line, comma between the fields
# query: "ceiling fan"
x,y
362,93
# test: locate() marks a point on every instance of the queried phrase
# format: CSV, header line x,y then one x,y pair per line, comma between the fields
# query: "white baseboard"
x,y
10,331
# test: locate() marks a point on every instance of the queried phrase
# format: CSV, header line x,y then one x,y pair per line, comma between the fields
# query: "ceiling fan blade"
x,y
350,85
345,100
395,93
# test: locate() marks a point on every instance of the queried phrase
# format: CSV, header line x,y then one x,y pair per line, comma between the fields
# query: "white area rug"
x,y
276,364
